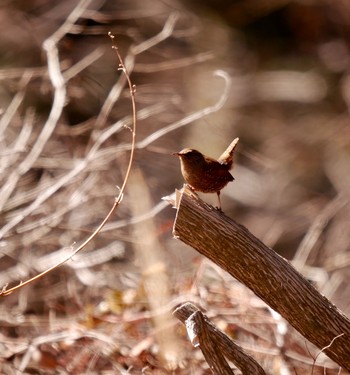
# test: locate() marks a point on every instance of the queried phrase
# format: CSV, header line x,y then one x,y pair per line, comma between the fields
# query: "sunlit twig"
x,y
119,198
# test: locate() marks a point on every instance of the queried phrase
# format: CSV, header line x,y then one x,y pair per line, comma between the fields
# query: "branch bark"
x,y
213,340
267,274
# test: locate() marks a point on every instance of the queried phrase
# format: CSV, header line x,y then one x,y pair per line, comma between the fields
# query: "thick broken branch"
x,y
268,275
227,347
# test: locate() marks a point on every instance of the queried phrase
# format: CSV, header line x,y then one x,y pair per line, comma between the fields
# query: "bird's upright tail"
x,y
227,157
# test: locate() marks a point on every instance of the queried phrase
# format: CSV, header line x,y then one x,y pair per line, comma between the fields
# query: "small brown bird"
x,y
205,174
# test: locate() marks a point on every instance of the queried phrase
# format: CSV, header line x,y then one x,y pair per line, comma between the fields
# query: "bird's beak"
x,y
176,154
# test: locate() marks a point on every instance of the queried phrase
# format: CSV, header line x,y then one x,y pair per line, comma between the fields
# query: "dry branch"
x,y
268,275
212,335
58,82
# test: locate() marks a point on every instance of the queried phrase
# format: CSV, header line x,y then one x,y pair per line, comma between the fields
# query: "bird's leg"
x,y
192,189
219,208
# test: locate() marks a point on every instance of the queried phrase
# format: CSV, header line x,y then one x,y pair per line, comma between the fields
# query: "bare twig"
x,y
193,116
94,156
61,336
116,90
316,229
322,350
57,80
16,101
173,64
11,156
164,34
83,63
118,199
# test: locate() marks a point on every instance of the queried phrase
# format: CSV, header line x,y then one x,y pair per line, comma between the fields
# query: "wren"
x,y
205,174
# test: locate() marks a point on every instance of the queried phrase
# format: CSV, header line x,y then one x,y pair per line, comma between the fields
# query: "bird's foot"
x,y
192,189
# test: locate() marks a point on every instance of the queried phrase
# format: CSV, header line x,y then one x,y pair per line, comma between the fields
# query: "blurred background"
x,y
283,88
